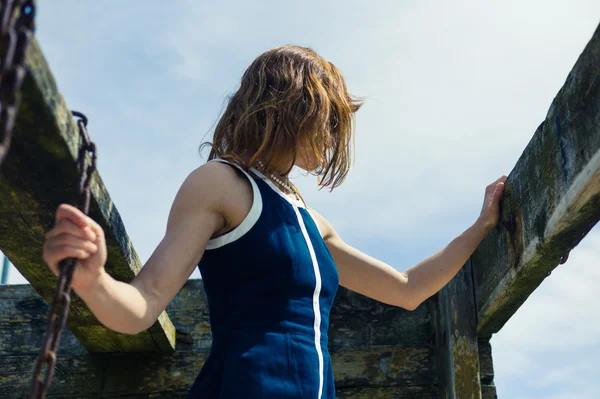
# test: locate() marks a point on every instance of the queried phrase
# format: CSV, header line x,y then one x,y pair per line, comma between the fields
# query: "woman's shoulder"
x,y
210,182
224,188
325,228
220,177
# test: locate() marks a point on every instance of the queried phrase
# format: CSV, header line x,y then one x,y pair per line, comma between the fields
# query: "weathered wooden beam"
x,y
457,338
39,174
368,365
552,198
416,392
132,373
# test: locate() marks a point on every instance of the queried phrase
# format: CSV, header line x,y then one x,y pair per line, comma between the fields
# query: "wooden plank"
x,y
383,366
403,366
554,196
39,174
23,322
355,321
417,392
457,338
488,392
139,373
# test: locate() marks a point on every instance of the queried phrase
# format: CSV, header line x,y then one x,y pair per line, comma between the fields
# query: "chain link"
x,y
59,310
16,31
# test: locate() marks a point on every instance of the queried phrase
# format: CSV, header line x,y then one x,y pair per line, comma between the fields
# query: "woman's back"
x,y
270,284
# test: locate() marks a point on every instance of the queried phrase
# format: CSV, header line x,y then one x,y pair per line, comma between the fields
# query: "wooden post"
x,y
488,389
458,351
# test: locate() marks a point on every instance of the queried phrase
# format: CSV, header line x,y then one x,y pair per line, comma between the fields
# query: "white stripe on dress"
x,y
250,219
317,292
316,295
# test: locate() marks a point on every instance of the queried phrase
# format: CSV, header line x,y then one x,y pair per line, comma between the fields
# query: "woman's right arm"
x,y
197,213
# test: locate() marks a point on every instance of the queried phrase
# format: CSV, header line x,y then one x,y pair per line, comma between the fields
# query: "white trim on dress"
x,y
250,219
316,295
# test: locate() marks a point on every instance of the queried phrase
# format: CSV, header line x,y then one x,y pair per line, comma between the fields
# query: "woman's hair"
x,y
290,99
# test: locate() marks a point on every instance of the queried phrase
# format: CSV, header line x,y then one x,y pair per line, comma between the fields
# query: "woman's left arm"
x,y
373,278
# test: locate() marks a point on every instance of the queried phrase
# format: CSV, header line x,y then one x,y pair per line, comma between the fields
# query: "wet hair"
x,y
290,99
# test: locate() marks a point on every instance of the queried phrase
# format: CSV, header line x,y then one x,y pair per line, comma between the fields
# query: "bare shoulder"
x,y
210,190
327,231
211,182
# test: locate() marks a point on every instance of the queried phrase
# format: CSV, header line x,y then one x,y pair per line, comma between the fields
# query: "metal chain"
x,y
59,309
14,40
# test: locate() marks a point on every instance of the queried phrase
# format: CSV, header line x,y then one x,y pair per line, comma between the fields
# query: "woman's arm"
x,y
130,308
375,279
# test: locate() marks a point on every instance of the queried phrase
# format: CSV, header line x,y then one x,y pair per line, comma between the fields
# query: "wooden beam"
x,y
113,375
457,338
23,314
553,194
39,174
369,365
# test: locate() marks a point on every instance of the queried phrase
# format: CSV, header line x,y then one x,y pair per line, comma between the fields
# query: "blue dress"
x,y
270,284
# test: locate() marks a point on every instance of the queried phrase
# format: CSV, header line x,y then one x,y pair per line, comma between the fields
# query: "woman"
x,y
270,265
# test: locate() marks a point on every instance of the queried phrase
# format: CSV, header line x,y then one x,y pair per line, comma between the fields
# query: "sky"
x,y
453,93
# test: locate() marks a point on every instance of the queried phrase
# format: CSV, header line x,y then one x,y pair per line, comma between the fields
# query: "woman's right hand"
x,y
76,235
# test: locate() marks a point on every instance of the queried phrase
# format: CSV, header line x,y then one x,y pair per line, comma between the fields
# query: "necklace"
x,y
279,181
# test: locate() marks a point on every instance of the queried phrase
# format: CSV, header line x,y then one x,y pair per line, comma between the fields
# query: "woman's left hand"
x,y
490,213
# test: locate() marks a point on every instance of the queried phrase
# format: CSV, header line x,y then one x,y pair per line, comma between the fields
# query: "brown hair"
x,y
290,98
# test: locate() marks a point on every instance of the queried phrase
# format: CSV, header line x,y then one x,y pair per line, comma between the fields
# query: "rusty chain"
x,y
16,31
59,310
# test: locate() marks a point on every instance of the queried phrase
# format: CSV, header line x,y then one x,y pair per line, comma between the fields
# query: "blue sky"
x,y
454,91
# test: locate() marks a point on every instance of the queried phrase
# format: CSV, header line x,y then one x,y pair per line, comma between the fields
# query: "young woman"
x,y
270,265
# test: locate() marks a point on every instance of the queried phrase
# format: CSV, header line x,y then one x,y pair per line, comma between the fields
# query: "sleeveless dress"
x,y
270,284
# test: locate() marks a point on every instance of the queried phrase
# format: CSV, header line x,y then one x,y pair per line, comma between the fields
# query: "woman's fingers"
x,y
74,215
74,235
501,179
81,220
499,191
64,246
493,187
96,230
65,226
72,241
53,255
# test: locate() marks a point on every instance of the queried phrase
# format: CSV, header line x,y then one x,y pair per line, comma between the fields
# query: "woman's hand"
x,y
490,213
75,235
